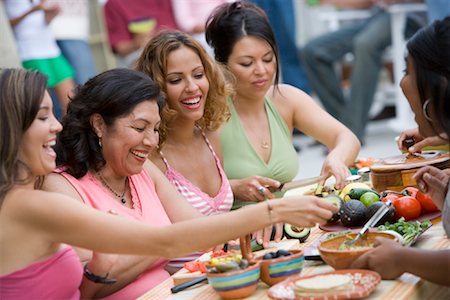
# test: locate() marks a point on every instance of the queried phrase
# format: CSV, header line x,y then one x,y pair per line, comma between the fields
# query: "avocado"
x,y
388,217
353,213
337,201
294,232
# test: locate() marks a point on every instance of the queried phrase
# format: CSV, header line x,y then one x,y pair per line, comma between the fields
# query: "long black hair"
x,y
430,51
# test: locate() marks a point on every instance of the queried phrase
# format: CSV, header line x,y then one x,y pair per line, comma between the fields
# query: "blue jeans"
x,y
79,55
367,41
438,9
282,18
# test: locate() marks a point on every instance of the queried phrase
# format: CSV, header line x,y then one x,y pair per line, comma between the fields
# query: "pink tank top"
x,y
205,204
146,208
57,277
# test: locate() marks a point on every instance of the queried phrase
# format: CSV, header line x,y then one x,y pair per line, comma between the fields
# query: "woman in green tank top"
x,y
257,140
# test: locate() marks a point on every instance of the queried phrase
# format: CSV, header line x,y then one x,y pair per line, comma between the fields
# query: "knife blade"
x,y
300,183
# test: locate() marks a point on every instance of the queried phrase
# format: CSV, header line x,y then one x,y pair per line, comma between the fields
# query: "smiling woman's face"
x,y
36,147
411,92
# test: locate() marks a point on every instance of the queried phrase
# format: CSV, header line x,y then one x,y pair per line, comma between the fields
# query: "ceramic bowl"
x,y
235,284
342,259
277,269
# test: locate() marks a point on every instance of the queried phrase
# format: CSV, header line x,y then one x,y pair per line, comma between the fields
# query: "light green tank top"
x,y
240,158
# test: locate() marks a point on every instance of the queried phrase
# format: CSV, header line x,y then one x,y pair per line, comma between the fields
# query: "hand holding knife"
x,y
298,183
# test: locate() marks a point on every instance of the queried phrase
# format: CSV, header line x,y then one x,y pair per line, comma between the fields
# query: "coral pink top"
x,y
146,208
57,277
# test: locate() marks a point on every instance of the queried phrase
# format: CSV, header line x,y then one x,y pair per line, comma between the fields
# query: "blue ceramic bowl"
x,y
277,269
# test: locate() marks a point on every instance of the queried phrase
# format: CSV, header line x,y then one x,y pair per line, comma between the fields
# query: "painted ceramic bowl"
x,y
235,284
277,269
342,259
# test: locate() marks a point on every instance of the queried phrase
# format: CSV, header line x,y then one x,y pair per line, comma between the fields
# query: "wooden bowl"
x,y
277,269
396,172
235,284
342,259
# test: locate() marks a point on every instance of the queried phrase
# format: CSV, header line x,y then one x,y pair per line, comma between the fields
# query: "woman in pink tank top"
x,y
195,107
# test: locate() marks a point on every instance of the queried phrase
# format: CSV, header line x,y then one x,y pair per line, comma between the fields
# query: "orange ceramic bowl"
x,y
235,284
277,269
342,259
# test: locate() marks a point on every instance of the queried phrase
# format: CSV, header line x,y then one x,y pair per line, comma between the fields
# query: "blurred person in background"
x,y
71,31
367,41
438,9
281,14
131,24
37,46
191,16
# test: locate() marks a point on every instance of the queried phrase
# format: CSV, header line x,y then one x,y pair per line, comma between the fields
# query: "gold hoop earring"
x,y
425,110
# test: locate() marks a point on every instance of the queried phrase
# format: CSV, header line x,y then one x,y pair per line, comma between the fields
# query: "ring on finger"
x,y
261,189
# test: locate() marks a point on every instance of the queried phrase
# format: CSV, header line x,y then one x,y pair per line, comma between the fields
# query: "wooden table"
x,y
407,286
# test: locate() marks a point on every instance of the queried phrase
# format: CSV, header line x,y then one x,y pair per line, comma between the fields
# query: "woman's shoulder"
x,y
286,93
56,182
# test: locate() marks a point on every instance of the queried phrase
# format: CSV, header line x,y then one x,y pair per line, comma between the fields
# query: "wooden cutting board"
x,y
396,172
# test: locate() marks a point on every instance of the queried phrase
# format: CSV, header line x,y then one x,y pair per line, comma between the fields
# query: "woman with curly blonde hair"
x,y
195,90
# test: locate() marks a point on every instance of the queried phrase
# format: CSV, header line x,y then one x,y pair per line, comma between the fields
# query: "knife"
x,y
299,183
185,285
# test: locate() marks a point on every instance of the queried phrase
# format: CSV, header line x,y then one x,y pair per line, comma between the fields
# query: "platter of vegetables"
x,y
410,231
358,202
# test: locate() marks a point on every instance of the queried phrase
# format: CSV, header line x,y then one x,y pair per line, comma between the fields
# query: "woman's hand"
x,y
263,236
420,141
383,259
302,211
255,188
337,168
433,182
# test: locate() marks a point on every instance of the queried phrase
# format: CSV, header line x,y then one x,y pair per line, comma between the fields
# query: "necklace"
x,y
121,197
264,144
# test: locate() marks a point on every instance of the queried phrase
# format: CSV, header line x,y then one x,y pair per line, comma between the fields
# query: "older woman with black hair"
x,y
111,128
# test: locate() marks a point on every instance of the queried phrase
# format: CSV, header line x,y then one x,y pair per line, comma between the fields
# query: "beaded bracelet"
x,y
98,279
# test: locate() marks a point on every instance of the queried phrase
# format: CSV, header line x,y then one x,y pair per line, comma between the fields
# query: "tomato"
x,y
410,191
194,266
392,197
407,207
426,202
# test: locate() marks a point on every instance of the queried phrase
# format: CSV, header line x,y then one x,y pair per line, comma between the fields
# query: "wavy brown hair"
x,y
21,94
153,62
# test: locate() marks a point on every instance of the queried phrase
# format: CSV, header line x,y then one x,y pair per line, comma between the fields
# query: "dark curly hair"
x,y
430,51
229,22
112,94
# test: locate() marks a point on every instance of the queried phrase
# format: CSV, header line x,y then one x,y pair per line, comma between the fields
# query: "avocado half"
x,y
338,202
294,232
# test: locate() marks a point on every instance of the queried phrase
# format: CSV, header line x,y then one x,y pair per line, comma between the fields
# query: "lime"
x,y
369,198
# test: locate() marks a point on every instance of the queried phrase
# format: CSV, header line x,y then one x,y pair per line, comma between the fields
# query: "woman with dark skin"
x,y
426,85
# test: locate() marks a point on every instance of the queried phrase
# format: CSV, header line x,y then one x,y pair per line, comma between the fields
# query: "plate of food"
x,y
341,284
